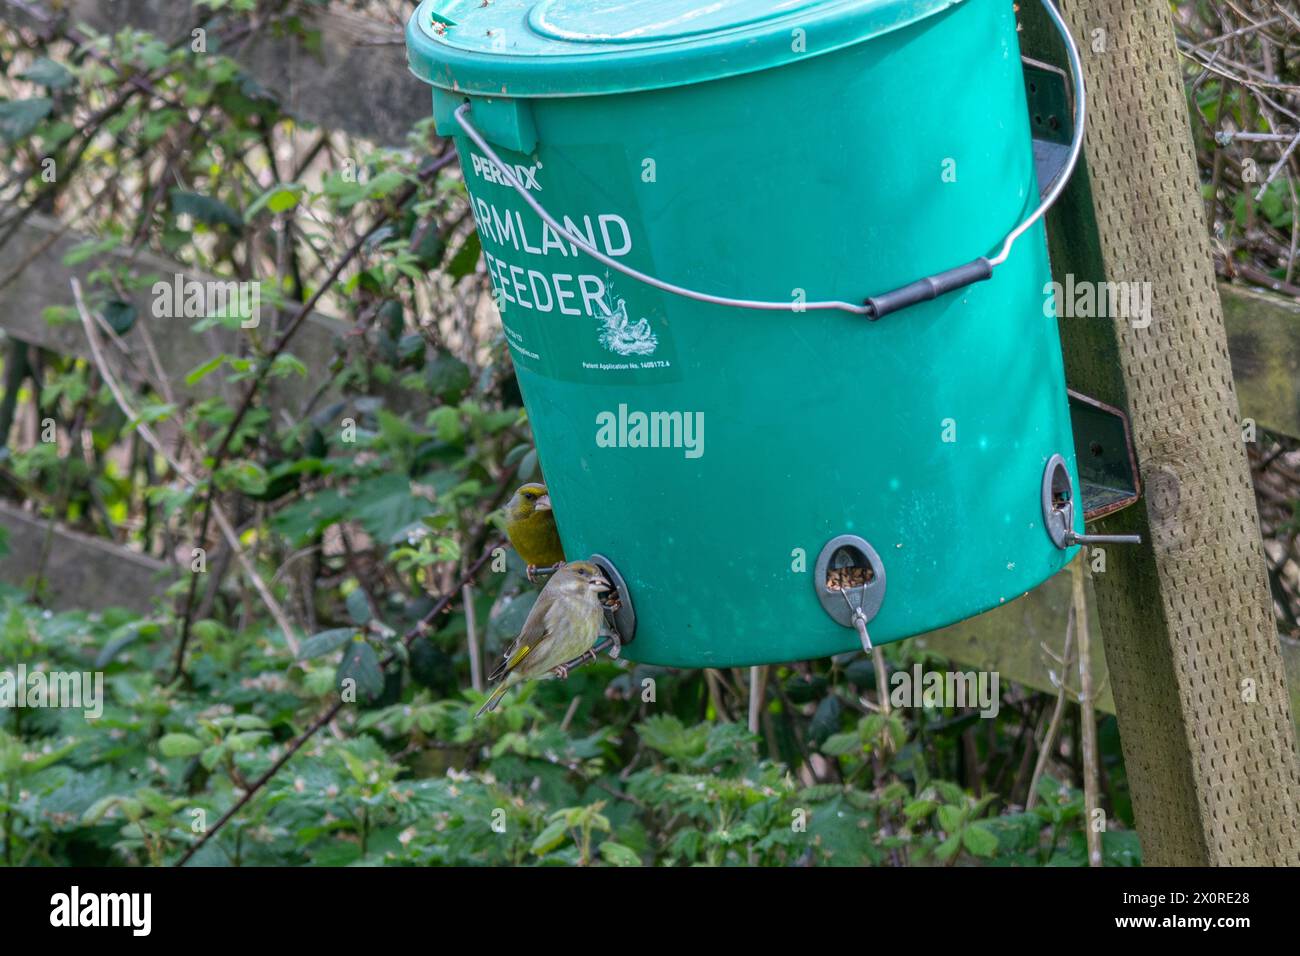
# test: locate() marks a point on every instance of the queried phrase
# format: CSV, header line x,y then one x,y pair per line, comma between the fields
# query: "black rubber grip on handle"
x,y
931,287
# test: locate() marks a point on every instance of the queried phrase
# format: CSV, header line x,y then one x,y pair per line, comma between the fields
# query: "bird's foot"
x,y
587,656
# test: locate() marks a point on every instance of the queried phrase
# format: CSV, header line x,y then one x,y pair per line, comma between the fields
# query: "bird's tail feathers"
x,y
509,663
491,703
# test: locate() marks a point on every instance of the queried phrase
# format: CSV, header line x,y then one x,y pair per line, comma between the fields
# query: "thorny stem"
x,y
330,713
264,369
65,495
1087,716
1054,725
10,798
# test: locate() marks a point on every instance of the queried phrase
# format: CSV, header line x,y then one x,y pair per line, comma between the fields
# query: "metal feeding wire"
x,y
859,619
920,290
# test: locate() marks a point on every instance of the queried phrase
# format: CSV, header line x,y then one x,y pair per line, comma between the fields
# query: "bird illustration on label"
x,y
618,334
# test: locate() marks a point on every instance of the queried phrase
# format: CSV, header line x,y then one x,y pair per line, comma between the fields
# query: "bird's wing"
x,y
515,653
534,632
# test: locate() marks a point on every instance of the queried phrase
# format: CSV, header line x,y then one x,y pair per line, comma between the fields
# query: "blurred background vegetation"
x,y
341,466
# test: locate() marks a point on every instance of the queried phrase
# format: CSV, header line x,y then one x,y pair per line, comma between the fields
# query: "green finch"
x,y
563,624
530,525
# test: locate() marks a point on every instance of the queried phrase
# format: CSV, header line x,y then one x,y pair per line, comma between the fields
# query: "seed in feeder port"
x,y
841,579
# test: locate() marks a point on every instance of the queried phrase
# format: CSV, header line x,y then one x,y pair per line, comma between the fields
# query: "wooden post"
x,y
1186,618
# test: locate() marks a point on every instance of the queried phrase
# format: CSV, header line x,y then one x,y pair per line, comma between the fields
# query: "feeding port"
x,y
849,577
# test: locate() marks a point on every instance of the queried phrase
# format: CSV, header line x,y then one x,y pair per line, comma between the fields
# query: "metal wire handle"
x,y
874,307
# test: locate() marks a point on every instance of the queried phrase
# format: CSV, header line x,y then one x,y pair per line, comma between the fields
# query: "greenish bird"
x,y
530,526
563,624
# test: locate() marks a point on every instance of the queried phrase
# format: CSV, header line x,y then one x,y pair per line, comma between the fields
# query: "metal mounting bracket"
x,y
1047,94
1104,456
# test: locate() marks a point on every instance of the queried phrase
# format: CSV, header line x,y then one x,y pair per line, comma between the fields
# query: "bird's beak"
x,y
543,503
601,583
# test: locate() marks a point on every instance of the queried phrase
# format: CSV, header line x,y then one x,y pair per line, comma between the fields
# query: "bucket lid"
x,y
531,48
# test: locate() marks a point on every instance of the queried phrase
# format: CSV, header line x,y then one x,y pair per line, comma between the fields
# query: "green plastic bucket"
x,y
784,152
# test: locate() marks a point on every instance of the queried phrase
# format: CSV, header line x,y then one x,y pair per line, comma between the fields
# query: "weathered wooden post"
x,y
1187,618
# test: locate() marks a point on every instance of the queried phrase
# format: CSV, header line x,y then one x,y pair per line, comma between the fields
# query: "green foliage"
x,y
20,117
418,781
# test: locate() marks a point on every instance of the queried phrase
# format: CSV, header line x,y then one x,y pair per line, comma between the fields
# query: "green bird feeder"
x,y
774,280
